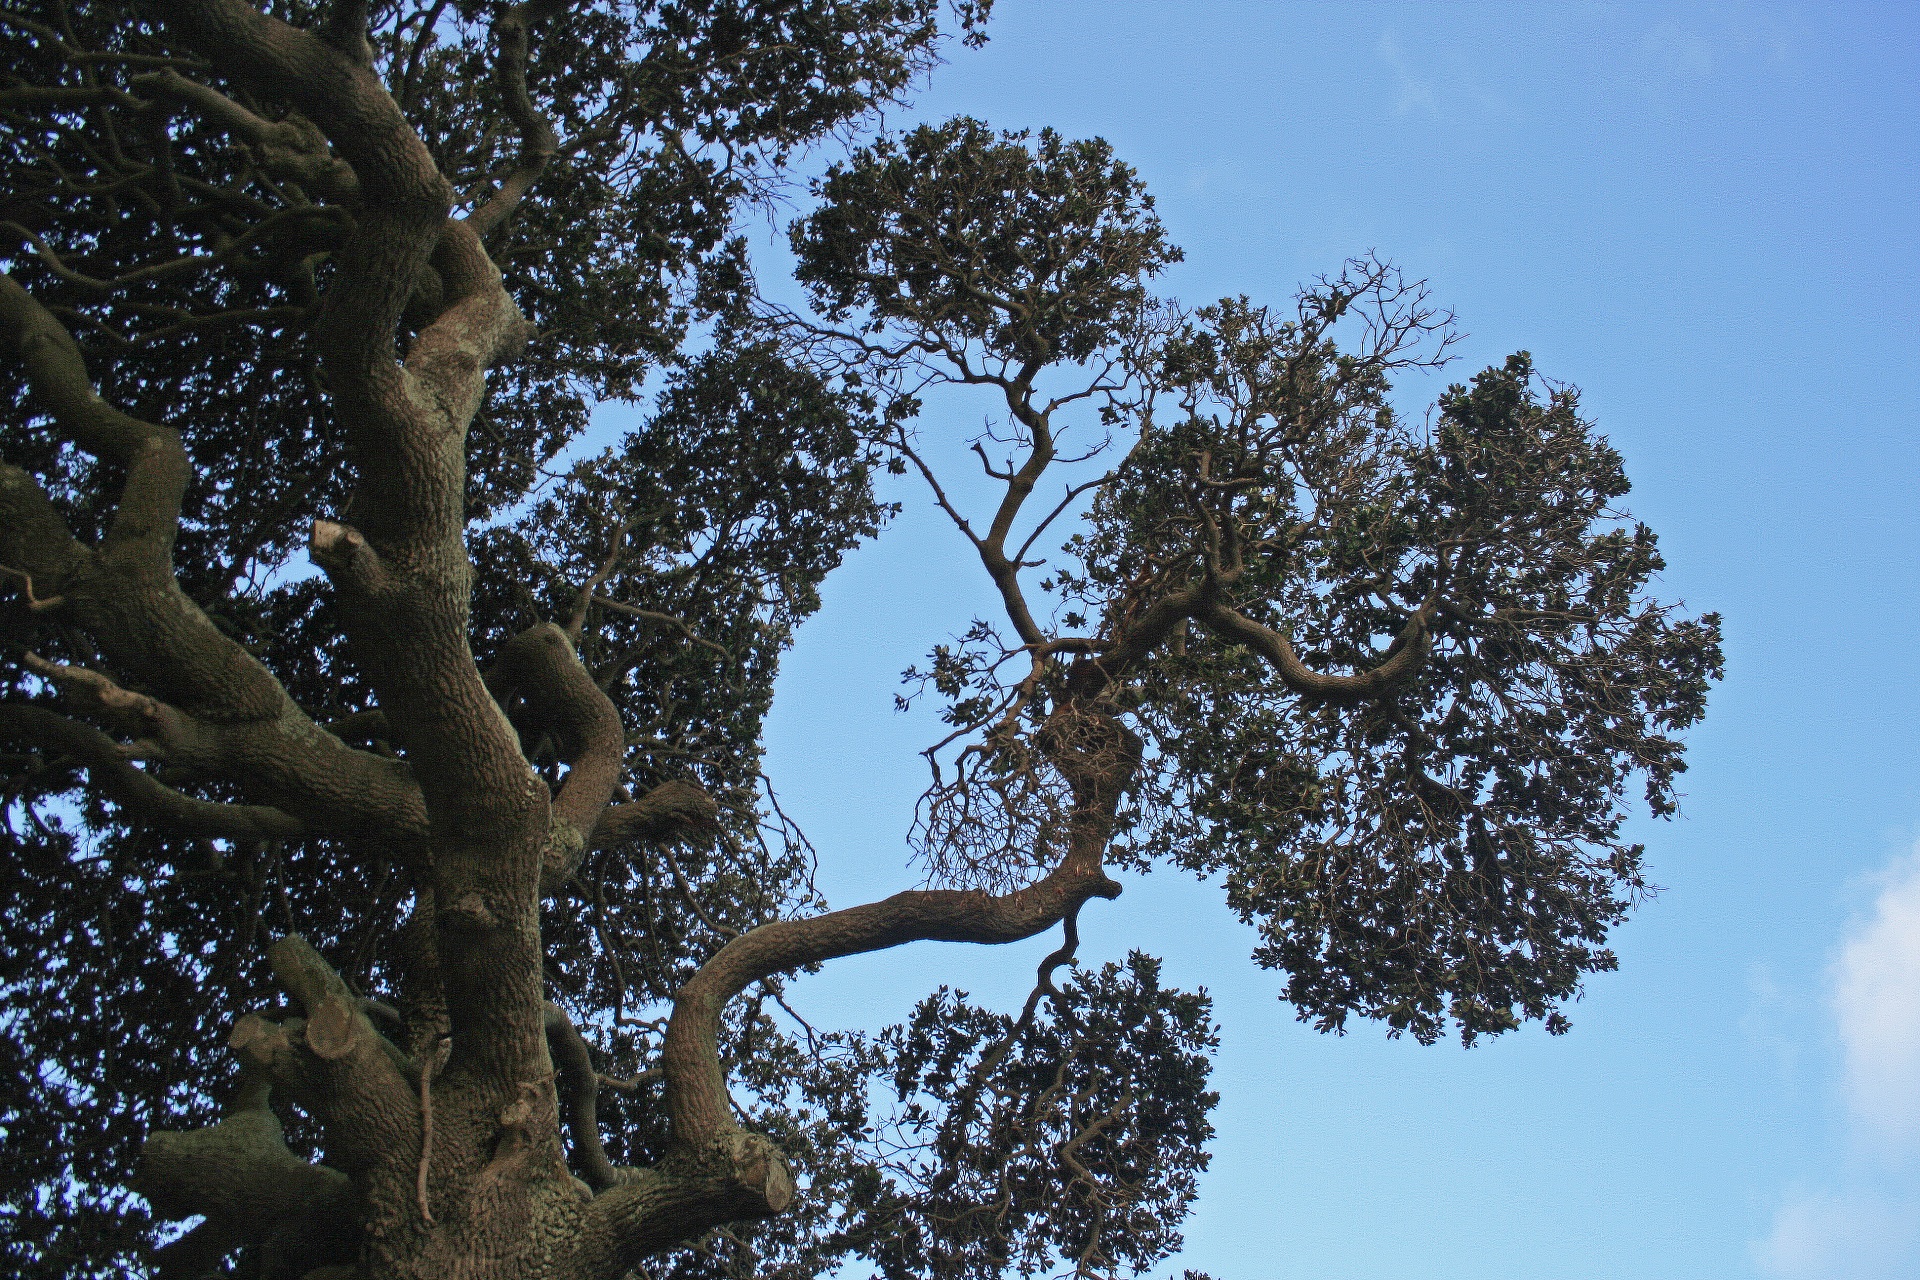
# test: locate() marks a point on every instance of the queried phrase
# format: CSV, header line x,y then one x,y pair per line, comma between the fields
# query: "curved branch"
x,y
716,1173
1136,641
1096,755
402,575
405,197
366,1102
125,597
583,599
250,1187
736,1176
538,143
157,470
549,696
675,807
697,1100
579,1087
1403,658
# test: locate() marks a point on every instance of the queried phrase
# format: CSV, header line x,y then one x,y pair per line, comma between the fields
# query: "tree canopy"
x,y
393,888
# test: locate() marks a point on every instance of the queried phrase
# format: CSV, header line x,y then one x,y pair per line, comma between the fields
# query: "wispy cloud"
x,y
1454,89
1679,53
1416,91
1700,44
1774,1014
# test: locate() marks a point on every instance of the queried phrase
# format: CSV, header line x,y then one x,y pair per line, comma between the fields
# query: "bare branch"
x,y
696,1087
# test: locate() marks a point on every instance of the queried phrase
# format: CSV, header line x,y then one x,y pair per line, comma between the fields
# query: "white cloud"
x,y
1876,1005
1821,1236
1864,1224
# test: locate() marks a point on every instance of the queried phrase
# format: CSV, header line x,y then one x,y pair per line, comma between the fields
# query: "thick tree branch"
x,y
291,148
675,807
735,1176
401,571
579,1086
125,596
1137,640
141,534
716,1173
696,1084
366,1101
35,543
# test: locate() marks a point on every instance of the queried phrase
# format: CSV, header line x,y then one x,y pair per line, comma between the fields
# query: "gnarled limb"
x,y
290,148
579,1085
716,1173
736,1176
1097,757
364,1097
240,1174
1135,642
141,534
696,1084
401,570
538,143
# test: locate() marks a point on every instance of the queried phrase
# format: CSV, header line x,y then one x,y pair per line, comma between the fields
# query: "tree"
x,y
463,840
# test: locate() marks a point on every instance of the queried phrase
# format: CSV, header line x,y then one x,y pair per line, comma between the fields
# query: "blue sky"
x,y
1703,215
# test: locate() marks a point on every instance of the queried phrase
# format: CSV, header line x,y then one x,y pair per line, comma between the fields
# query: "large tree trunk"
x,y
437,1164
